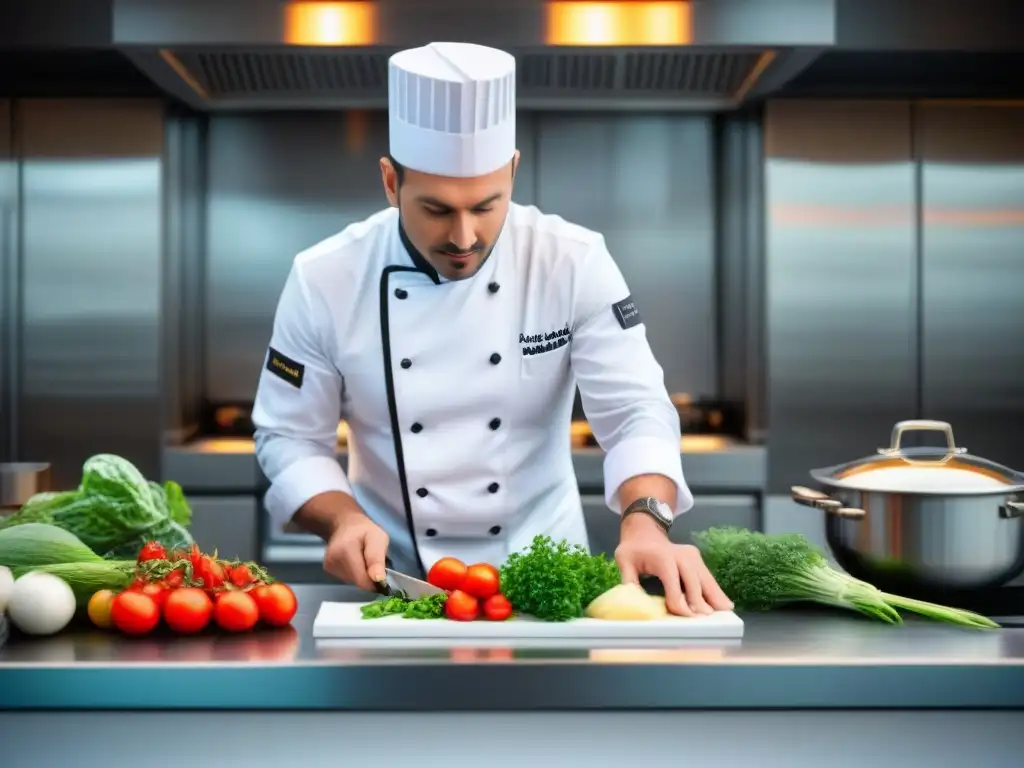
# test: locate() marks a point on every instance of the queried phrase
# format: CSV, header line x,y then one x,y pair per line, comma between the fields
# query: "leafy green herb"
x,y
555,582
114,511
760,572
387,607
429,607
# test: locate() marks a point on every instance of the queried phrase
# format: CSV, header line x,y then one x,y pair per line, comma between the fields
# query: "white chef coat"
x,y
459,394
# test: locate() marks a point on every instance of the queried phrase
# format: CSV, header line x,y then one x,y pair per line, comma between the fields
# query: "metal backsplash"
x,y
87,266
279,182
8,286
895,257
971,219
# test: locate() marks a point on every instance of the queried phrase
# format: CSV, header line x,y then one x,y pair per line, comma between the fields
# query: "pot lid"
x,y
945,469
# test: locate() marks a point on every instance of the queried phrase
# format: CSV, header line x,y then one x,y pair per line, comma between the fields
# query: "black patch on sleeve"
x,y
627,313
285,368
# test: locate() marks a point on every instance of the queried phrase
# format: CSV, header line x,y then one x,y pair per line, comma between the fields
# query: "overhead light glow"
x,y
328,23
618,23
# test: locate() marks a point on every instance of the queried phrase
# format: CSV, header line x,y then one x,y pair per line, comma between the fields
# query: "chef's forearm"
x,y
323,514
641,487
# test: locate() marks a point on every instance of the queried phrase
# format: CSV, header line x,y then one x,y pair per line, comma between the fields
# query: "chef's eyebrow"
x,y
427,200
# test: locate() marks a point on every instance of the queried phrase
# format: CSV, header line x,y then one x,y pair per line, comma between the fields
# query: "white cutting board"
x,y
344,620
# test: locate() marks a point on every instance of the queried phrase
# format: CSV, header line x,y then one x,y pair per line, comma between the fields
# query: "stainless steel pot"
x,y
922,521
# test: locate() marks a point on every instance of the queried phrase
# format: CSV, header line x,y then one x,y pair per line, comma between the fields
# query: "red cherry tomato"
x,y
210,571
497,608
240,576
461,606
482,580
152,550
447,573
277,603
235,611
156,591
134,613
188,610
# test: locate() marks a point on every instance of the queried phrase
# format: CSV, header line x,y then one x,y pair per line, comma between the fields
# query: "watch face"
x,y
660,510
663,511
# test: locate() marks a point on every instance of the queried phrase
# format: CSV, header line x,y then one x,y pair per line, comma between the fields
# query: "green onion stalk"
x,y
760,572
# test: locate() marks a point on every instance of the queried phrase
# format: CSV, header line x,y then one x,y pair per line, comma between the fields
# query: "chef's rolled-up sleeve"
x,y
622,385
298,405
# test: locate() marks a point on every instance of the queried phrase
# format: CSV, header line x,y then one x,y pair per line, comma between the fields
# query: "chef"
x,y
450,331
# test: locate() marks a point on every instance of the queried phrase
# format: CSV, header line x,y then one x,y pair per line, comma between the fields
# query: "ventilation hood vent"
x,y
329,79
251,54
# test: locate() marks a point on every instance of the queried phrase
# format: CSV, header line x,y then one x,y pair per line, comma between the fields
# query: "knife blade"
x,y
414,589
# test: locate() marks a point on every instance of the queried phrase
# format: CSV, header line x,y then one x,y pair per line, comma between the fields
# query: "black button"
x,y
495,358
431,532
406,362
493,287
422,492
493,487
495,423
495,530
401,293
417,428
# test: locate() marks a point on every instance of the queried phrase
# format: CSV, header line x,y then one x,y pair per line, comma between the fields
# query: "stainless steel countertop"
x,y
789,659
229,464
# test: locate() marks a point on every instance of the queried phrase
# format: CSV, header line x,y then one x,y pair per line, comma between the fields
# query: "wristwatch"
x,y
659,510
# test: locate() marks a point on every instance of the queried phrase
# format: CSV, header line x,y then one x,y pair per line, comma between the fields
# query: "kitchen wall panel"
x,y
91,260
646,183
277,184
8,285
841,271
972,350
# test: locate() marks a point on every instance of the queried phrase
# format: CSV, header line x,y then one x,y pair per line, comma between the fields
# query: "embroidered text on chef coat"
x,y
285,368
539,343
627,313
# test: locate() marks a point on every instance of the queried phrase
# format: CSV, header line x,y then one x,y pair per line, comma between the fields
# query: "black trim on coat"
x,y
422,265
389,386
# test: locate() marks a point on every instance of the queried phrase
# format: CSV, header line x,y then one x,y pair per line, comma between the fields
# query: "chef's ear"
x,y
391,176
515,164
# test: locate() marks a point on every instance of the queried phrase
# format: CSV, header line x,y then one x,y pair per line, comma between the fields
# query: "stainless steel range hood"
x,y
270,55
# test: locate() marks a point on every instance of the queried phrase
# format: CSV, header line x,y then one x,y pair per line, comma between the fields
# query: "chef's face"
x,y
452,222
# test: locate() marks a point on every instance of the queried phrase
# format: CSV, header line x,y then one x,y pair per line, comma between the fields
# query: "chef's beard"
x,y
449,249
453,270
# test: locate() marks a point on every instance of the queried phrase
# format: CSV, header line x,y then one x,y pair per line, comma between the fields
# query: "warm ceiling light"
x,y
618,23
327,23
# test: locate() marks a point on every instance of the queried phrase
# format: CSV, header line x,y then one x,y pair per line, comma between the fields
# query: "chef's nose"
x,y
462,233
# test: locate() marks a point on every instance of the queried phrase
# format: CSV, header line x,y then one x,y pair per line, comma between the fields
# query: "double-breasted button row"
x,y
423,492
494,424
494,531
401,293
407,363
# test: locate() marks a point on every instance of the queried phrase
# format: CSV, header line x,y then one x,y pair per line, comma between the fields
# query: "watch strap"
x,y
648,505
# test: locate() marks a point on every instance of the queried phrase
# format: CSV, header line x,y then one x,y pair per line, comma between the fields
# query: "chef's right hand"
x,y
356,551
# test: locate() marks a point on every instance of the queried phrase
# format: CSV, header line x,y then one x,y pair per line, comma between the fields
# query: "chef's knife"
x,y
414,589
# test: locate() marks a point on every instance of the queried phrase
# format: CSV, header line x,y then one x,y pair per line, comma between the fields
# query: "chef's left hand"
x,y
690,589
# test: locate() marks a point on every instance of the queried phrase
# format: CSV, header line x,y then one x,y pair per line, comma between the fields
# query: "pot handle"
x,y
818,500
1012,509
922,425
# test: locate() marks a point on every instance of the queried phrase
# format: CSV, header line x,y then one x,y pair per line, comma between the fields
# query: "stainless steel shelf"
x,y
228,465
